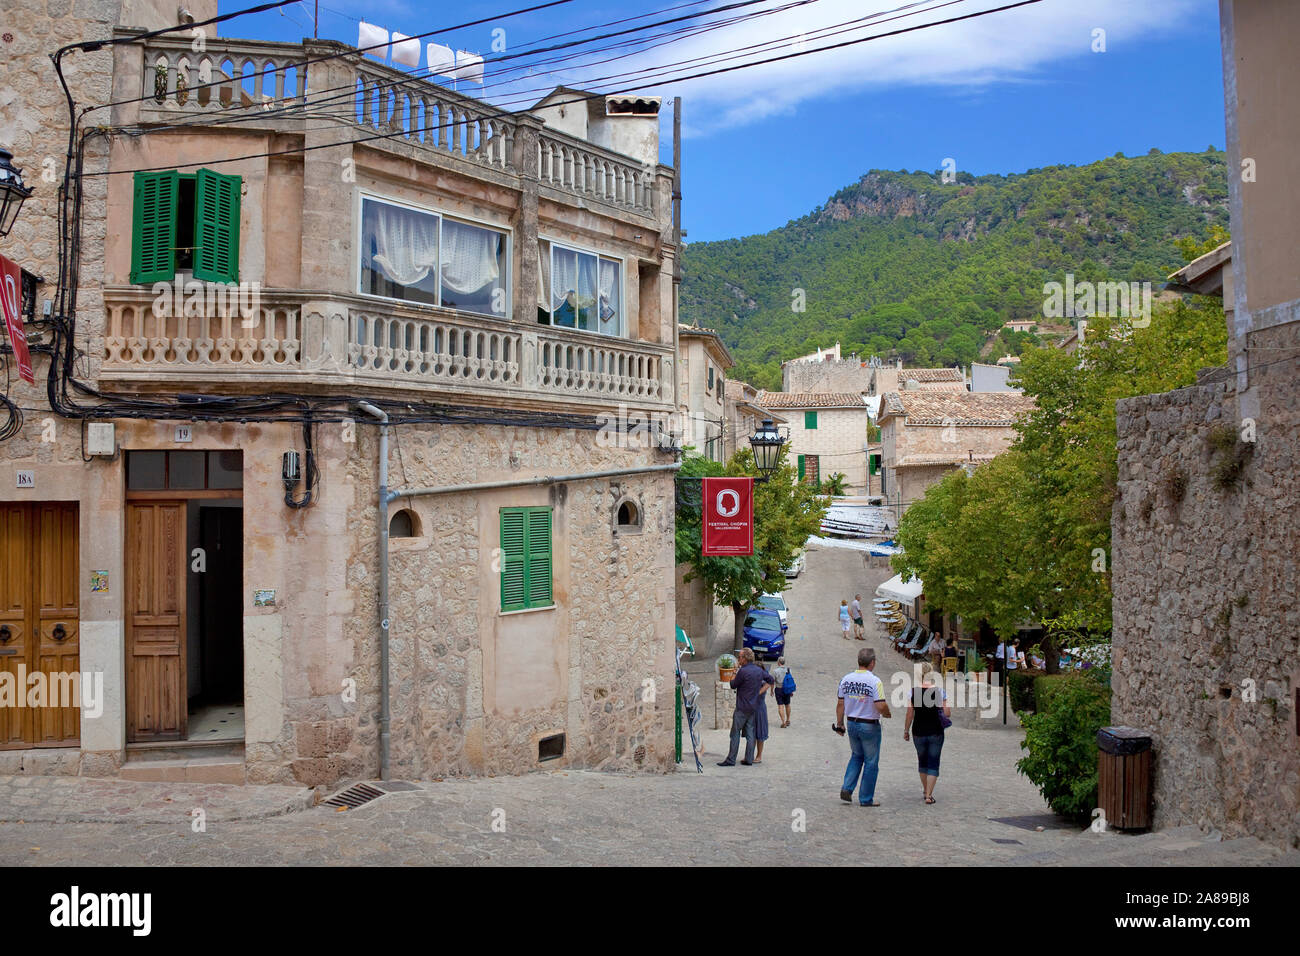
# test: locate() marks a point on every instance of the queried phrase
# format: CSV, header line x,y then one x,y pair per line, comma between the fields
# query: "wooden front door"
x,y
40,651
155,621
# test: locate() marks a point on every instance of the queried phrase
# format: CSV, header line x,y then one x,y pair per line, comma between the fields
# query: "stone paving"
x,y
785,810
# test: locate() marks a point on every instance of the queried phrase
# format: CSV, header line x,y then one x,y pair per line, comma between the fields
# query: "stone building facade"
x,y
1204,531
744,415
827,434
926,434
702,364
178,561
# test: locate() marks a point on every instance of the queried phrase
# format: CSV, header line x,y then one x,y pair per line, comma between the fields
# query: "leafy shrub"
x,y
1062,742
1020,689
1045,686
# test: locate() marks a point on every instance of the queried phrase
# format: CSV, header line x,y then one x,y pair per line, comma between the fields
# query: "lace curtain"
x,y
579,289
405,242
610,290
469,257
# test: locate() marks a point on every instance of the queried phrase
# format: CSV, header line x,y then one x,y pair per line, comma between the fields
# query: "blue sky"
x,y
1002,93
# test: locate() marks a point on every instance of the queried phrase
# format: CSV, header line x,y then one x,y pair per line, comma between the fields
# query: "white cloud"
x,y
1018,45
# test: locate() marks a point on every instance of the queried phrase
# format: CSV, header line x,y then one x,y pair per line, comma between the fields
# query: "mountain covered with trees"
x,y
906,265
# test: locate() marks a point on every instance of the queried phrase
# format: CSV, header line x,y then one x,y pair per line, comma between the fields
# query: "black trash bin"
x,y
1124,762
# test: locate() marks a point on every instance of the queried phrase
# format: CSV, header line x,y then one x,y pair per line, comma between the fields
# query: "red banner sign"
x,y
728,517
11,302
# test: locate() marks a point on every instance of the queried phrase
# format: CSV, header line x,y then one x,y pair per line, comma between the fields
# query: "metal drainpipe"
x,y
383,499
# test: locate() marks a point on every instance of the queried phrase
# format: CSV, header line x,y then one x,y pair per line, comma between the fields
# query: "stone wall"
x,y
903,442
708,626
34,125
475,689
828,375
839,441
1206,610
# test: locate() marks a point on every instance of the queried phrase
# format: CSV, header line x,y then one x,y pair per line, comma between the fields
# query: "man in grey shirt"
x,y
748,684
855,612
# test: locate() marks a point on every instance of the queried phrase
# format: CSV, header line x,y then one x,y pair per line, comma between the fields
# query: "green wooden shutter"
x,y
153,227
801,468
216,226
539,557
810,421
513,569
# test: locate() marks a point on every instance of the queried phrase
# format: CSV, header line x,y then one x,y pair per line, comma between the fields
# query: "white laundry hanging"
x,y
441,61
369,35
469,66
406,51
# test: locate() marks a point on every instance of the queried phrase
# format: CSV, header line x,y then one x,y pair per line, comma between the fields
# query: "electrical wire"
x,y
379,90
302,65
278,407
576,99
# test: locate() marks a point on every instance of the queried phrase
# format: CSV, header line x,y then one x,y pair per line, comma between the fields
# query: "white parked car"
x,y
792,569
774,602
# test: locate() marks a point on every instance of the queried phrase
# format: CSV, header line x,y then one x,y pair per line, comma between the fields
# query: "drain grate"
x,y
354,796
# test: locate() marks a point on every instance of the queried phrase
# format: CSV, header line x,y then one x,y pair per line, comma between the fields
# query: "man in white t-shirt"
x,y
1015,656
861,703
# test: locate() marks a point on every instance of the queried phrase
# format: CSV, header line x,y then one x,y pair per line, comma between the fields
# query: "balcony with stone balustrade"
x,y
337,342
276,85
308,343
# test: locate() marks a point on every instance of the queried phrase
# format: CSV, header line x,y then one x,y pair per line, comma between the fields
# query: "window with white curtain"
x,y
579,290
420,256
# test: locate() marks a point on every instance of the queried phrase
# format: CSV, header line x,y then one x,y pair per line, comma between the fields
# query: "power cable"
x,y
271,407
577,98
349,91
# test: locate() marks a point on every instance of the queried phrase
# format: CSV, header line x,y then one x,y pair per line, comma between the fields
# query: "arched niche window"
x,y
404,524
627,517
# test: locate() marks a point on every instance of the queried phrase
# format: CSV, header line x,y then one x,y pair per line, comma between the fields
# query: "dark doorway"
x,y
221,639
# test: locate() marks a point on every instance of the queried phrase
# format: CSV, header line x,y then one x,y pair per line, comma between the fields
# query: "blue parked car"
x,y
764,634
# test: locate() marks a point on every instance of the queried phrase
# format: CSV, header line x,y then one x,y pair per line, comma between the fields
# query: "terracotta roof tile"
x,y
812,400
953,386
955,408
924,375
915,461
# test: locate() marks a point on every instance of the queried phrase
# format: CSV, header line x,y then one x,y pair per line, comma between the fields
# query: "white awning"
x,y
895,589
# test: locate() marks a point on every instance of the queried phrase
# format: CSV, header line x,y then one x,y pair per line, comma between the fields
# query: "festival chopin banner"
x,y
728,517
11,300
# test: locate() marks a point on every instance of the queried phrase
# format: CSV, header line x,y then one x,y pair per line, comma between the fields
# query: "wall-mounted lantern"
x,y
13,191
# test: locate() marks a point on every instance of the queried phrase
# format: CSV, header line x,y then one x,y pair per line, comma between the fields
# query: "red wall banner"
x,y
728,517
11,303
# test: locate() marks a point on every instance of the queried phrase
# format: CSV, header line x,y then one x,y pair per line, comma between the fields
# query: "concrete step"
x,y
172,769
185,749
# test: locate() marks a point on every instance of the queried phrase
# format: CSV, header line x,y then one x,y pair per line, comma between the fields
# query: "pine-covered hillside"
x,y
904,265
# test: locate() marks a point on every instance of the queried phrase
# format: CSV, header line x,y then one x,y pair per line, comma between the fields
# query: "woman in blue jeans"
x,y
925,728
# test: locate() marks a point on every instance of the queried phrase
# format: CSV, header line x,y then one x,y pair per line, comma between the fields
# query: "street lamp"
x,y
766,442
13,192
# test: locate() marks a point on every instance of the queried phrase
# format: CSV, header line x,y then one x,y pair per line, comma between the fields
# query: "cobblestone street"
x,y
740,815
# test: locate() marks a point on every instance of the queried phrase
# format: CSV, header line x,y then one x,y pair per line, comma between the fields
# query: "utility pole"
x,y
677,237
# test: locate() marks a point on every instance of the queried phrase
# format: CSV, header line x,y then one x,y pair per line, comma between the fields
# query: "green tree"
x,y
1027,536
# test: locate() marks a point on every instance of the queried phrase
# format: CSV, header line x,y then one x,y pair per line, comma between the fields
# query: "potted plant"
x,y
726,667
976,665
